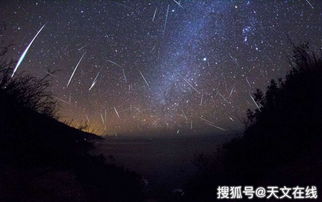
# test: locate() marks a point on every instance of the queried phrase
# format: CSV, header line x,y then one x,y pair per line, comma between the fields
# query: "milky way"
x,y
158,67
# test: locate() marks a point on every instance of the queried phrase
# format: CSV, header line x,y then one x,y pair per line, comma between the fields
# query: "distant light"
x,y
204,59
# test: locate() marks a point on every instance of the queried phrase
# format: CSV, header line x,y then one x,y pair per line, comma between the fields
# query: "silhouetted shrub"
x,y
27,92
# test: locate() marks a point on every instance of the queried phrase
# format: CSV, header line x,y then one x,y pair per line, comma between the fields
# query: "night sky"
x,y
158,66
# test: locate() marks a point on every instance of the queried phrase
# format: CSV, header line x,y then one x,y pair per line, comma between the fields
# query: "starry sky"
x,y
157,66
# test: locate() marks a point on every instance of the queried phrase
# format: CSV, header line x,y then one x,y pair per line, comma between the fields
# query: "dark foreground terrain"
x,y
163,161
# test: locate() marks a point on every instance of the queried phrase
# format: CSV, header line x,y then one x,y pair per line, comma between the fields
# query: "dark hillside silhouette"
x,y
42,159
282,143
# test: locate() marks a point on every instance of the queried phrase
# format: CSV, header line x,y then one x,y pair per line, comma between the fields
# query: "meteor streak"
x,y
184,115
125,79
212,124
22,57
201,99
102,118
255,102
146,82
248,82
81,48
87,118
178,3
116,112
94,82
191,85
309,3
166,18
231,91
59,99
155,12
114,63
71,77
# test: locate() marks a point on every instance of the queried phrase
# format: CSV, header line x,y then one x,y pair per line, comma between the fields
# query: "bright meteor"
x,y
94,82
22,57
71,77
